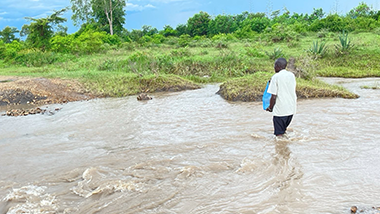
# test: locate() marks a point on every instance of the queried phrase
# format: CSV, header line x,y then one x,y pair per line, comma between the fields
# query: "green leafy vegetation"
x,y
318,49
206,49
345,45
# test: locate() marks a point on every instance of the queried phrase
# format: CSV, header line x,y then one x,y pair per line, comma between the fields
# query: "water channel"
x,y
193,152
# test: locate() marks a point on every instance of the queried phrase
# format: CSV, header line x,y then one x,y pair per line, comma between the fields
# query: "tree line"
x,y
101,22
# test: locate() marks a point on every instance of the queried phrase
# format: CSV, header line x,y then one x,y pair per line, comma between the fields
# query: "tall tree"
x,y
8,34
363,10
222,24
198,24
109,13
39,31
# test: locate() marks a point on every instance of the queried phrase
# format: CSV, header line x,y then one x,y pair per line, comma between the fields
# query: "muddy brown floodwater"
x,y
193,152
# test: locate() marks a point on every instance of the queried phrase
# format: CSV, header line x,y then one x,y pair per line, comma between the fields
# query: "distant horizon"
x,y
158,13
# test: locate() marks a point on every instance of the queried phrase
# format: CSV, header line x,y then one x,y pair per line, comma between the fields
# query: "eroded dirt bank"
x,y
40,91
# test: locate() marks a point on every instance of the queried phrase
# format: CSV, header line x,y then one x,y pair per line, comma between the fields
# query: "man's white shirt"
x,y
283,84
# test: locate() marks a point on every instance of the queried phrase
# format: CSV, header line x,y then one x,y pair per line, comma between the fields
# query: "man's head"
x,y
280,64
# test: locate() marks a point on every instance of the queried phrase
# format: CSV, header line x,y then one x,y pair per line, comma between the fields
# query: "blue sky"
x,y
158,13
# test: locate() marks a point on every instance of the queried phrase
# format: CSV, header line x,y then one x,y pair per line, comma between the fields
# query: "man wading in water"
x,y
283,102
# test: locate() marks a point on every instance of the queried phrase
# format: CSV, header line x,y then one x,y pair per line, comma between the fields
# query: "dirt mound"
x,y
40,91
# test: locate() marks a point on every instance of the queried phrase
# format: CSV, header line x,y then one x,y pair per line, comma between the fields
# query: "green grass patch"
x,y
251,88
248,88
319,89
121,84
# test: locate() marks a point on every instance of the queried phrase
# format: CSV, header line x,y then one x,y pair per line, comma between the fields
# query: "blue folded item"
x,y
266,97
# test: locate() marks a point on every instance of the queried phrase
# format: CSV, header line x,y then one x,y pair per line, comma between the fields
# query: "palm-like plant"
x,y
318,49
345,45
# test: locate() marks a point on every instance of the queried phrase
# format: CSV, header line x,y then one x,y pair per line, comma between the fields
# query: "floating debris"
x,y
373,210
144,96
23,112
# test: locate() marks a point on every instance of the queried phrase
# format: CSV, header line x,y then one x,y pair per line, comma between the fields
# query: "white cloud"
x,y
38,4
135,7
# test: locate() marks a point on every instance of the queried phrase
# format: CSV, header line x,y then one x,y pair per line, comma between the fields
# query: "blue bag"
x,y
266,97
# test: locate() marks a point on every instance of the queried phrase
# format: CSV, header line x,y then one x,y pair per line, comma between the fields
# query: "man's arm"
x,y
272,103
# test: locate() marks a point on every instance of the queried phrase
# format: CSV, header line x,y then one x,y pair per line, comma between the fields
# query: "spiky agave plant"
x,y
318,49
345,45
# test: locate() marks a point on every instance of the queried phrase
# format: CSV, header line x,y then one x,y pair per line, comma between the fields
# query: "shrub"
x,y
145,39
35,57
184,40
182,52
322,33
257,24
305,68
2,49
130,46
108,65
110,39
345,45
275,54
87,43
171,40
61,44
364,23
318,49
205,43
292,44
223,37
253,52
301,28
12,49
221,44
279,32
158,39
332,22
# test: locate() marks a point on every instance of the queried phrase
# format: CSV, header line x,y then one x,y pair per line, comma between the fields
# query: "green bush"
x,y
221,44
318,49
279,32
145,39
12,49
35,57
88,42
110,39
333,22
322,33
182,52
62,44
253,52
109,65
141,63
129,46
364,24
224,37
171,40
275,54
2,49
184,40
300,27
345,45
158,39
257,24
205,43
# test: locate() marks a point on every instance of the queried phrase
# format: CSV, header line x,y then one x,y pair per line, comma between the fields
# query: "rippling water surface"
x,y
193,152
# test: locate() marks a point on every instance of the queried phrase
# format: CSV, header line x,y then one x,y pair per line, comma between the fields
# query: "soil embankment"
x,y
15,91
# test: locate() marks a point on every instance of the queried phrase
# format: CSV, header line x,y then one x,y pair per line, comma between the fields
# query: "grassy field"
x,y
243,66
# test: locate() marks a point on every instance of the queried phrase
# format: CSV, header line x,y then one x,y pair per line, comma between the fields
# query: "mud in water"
x,y
193,152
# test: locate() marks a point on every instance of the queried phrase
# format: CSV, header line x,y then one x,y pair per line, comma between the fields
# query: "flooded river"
x,y
193,152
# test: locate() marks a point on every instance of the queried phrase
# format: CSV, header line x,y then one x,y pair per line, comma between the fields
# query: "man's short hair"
x,y
281,62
